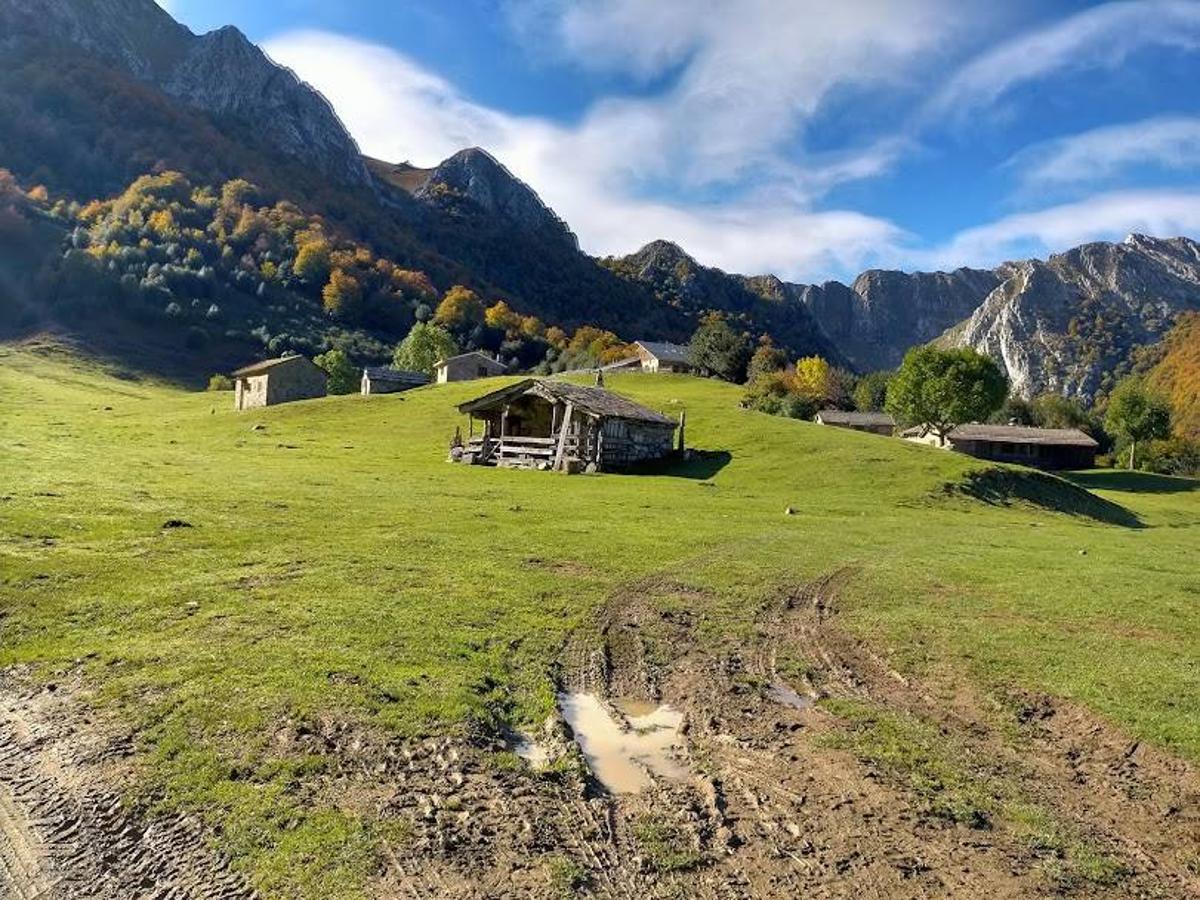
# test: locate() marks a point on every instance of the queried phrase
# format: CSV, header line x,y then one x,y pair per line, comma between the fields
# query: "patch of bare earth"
x,y
65,833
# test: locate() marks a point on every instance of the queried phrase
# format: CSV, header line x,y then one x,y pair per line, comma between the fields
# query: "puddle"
x,y
618,756
781,692
537,755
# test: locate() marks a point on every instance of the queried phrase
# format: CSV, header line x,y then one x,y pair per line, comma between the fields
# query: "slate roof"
x,y
840,417
664,351
483,356
1015,434
397,376
593,401
259,367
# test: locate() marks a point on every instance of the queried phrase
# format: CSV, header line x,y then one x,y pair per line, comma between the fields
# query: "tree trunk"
x,y
1132,453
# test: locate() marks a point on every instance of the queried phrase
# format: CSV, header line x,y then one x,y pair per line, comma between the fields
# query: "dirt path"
x,y
65,833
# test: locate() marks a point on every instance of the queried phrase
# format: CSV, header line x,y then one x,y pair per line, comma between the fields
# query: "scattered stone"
x,y
789,510
1083,553
258,427
176,523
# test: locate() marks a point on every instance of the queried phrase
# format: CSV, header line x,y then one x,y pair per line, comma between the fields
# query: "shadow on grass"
x,y
1133,482
1007,487
700,465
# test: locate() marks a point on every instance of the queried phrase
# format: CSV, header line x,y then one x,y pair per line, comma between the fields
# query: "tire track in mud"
x,y
65,833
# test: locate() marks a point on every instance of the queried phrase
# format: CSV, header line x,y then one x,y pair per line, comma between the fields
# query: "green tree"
x,y
717,348
944,388
767,358
343,375
870,393
1137,413
312,261
220,383
424,346
1057,411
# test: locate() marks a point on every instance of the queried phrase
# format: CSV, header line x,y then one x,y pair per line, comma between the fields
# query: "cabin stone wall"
x,y
297,379
625,443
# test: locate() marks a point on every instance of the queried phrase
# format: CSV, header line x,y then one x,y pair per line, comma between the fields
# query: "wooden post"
x,y
682,426
562,436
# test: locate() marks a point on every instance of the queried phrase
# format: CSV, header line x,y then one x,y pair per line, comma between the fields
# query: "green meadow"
x,y
337,565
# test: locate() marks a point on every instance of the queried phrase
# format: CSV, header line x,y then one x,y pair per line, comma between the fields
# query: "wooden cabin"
x,y
544,424
386,380
872,422
277,381
1045,448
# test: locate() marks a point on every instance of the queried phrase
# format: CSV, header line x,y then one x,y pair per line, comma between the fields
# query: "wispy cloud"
x,y
1101,37
590,173
1107,216
1102,154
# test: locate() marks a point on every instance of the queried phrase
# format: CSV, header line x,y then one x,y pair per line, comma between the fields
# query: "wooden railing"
x,y
512,448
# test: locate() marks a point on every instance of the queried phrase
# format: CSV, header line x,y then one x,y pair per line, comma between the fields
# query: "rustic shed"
x,y
1046,448
539,423
873,422
277,381
467,366
386,380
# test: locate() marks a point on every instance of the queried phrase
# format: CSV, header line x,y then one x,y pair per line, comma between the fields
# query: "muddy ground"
x,y
784,798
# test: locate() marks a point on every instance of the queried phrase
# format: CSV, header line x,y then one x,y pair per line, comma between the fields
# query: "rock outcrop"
x,y
221,73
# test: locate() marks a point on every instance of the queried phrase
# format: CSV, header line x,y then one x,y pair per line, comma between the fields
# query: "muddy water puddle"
x,y
622,754
781,692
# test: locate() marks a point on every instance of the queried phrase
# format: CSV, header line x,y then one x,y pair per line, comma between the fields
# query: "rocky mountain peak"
x,y
478,177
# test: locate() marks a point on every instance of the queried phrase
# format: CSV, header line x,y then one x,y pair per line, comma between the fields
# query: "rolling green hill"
x,y
213,577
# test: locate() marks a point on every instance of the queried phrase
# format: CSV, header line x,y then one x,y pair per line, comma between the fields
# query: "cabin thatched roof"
x,y
592,401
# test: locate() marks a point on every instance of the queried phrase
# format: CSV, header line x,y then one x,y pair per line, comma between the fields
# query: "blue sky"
x,y
800,137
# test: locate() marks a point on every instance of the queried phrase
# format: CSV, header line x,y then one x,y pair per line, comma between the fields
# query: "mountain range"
x,y
94,93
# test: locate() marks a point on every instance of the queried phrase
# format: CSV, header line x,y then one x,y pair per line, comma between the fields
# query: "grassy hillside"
x,y
332,564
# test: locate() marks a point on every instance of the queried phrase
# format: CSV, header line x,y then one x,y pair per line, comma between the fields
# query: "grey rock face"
x,y
1069,324
220,73
477,176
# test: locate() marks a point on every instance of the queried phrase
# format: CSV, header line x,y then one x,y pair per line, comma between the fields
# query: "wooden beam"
x,y
562,436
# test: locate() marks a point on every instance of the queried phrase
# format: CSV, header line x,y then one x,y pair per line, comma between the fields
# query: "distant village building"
x,y
386,380
539,423
1046,448
873,422
662,356
467,366
279,380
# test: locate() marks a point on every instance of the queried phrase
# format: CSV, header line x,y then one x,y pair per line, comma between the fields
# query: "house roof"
x,y
1015,434
664,351
490,359
593,401
259,367
398,376
840,417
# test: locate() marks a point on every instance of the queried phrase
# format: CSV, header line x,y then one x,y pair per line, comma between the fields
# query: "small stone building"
x,y
1045,448
386,380
275,381
872,422
467,366
540,423
662,356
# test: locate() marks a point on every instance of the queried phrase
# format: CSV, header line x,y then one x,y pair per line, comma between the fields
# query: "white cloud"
x,y
1107,216
1171,143
590,173
1101,37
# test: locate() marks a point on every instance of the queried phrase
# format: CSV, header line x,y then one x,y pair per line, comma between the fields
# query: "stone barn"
x,y
1045,448
539,423
662,356
468,366
386,380
279,380
872,422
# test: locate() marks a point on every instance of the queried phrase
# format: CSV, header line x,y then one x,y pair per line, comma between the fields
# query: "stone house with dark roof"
x,y
540,423
280,380
468,366
663,356
387,380
1045,448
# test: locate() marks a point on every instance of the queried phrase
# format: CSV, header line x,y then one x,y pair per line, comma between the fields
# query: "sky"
x,y
805,138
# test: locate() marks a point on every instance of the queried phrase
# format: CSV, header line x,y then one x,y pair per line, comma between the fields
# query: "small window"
x,y
483,372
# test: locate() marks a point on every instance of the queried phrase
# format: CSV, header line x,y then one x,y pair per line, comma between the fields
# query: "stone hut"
x,y
467,366
386,380
872,422
279,380
540,423
1045,448
662,356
